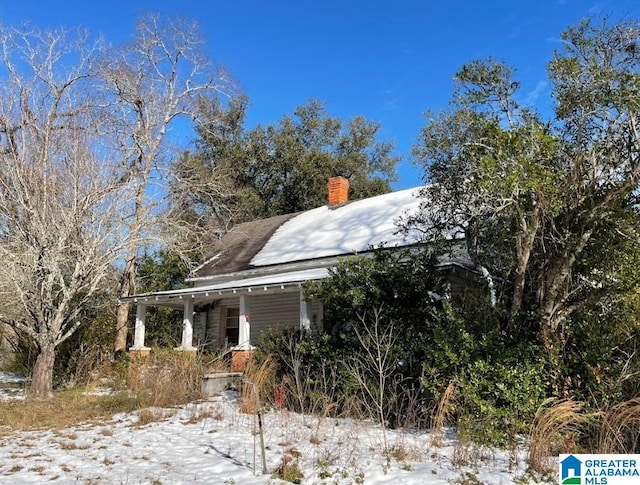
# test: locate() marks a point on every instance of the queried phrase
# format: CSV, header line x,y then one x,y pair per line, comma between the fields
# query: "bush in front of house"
x,y
391,347
498,375
392,351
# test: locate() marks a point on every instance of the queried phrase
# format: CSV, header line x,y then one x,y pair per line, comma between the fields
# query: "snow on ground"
x,y
213,442
11,385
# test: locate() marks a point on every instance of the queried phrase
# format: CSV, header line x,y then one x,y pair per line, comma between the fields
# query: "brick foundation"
x,y
239,358
139,354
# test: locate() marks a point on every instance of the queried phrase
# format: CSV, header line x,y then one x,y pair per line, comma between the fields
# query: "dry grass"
x,y
63,410
163,379
166,378
620,428
442,413
469,453
152,415
289,469
198,412
260,378
403,453
327,411
559,424
555,427
70,445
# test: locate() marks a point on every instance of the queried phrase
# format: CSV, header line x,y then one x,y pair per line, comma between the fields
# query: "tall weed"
x,y
260,378
620,428
556,429
166,377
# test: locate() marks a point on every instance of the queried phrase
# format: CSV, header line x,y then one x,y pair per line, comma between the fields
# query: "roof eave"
x,y
271,269
181,295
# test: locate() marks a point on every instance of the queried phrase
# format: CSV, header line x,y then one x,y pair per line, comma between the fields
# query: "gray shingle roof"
x,y
236,249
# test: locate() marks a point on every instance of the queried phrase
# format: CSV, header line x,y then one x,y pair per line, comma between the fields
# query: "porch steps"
x,y
219,382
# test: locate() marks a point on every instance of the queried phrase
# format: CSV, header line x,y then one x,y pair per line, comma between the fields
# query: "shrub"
x,y
499,374
289,470
398,290
600,367
498,399
85,352
496,364
309,371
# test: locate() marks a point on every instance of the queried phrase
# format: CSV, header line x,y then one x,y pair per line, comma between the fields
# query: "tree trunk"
x,y
122,330
524,246
127,287
42,377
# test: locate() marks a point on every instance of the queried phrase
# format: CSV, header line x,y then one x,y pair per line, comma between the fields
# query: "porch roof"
x,y
258,283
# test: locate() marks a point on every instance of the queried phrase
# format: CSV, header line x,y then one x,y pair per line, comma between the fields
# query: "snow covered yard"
x,y
213,442
11,385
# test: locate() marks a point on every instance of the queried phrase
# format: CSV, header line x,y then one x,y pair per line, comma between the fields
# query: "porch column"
x,y
243,351
187,326
244,327
305,314
138,335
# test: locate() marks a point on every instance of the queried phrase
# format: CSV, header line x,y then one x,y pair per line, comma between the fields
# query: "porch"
x,y
233,315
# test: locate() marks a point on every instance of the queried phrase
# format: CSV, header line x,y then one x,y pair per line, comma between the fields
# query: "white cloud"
x,y
532,96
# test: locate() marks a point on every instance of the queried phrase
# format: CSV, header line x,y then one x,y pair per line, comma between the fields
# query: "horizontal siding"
x,y
213,329
273,310
200,329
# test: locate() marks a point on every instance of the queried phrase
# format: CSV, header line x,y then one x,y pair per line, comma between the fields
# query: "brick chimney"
x,y
338,190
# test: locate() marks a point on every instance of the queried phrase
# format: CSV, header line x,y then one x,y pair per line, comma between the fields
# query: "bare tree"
x,y
153,81
373,368
60,203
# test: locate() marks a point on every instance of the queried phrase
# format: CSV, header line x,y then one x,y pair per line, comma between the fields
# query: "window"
x,y
232,325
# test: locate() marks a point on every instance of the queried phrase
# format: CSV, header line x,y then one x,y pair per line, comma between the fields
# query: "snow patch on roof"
x,y
355,226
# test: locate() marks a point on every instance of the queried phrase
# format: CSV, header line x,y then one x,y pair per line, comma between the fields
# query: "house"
x,y
254,280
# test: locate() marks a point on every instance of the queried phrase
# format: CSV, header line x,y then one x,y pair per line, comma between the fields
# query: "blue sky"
x,y
387,60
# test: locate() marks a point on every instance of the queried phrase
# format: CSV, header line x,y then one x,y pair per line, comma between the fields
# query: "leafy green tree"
x,y
164,270
548,206
235,175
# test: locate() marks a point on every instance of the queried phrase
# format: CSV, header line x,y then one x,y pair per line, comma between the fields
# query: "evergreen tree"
x,y
548,206
235,175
